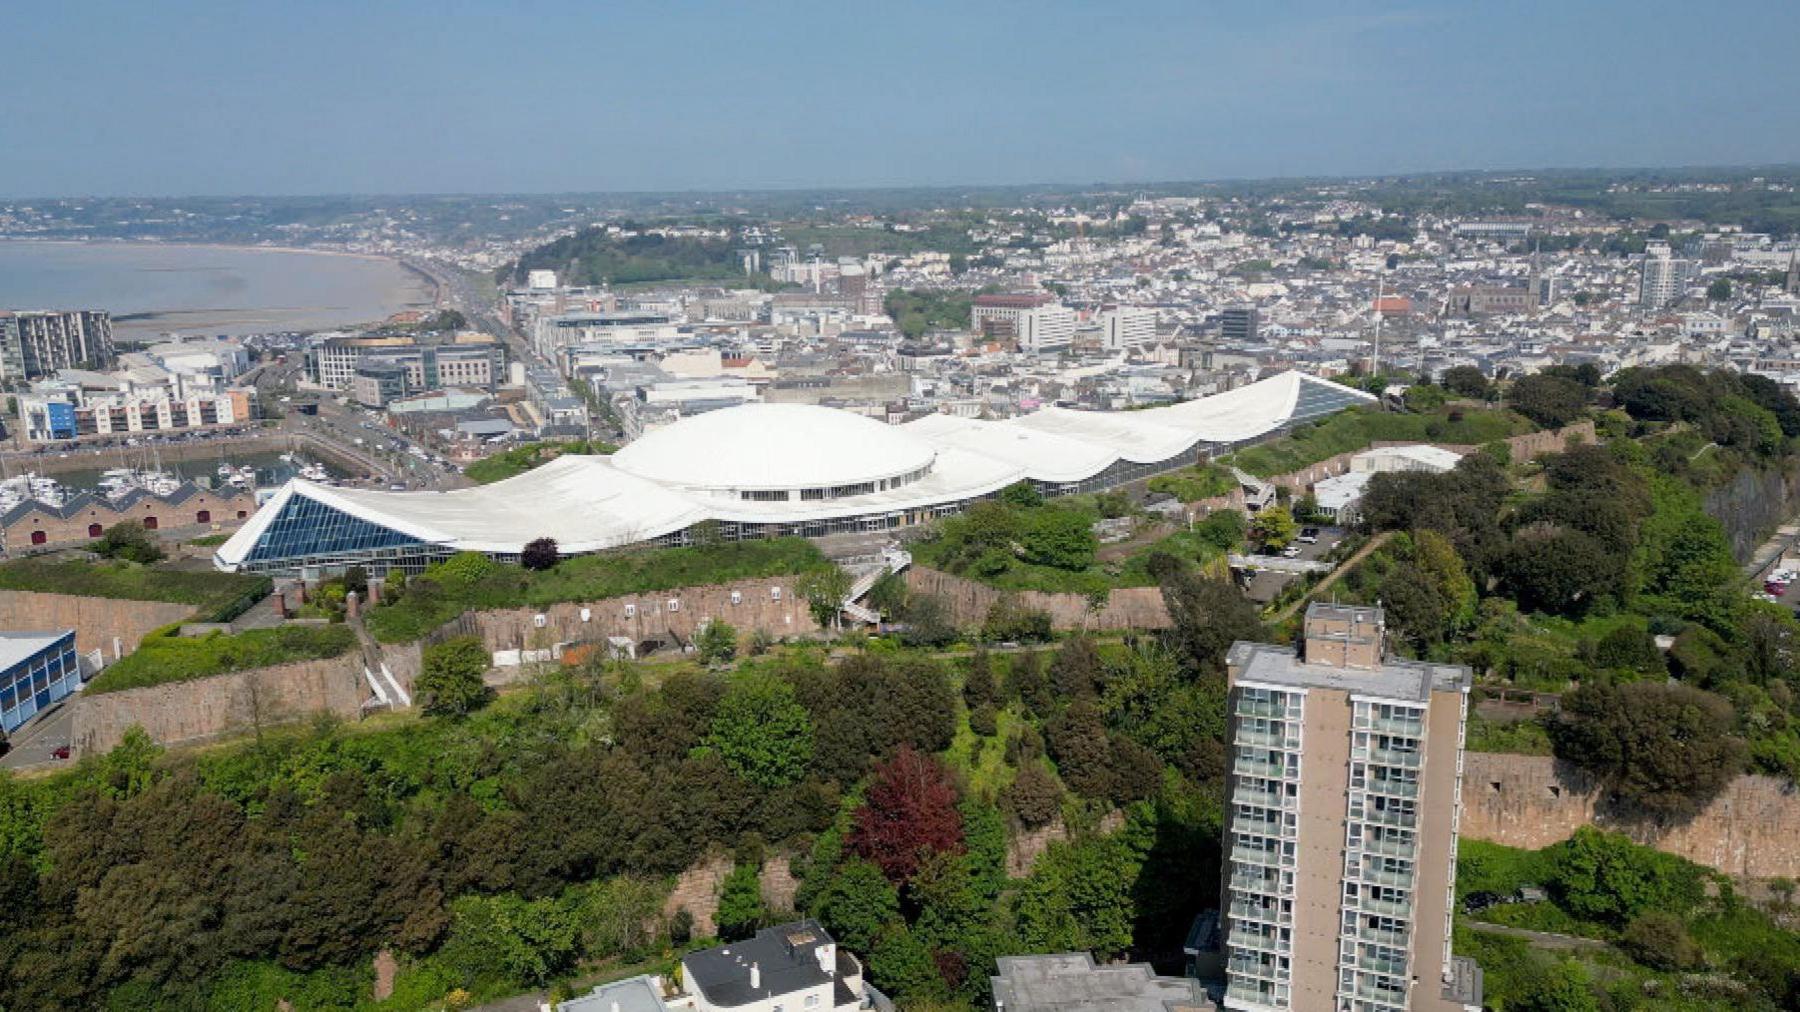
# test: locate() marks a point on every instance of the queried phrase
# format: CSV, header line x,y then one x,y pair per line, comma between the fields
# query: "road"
x,y
33,743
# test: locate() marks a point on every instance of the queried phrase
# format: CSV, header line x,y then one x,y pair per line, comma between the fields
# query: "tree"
x,y
903,967
978,687
1664,750
1009,620
1560,571
716,643
761,731
1658,939
1466,380
1274,528
128,540
1565,988
1022,494
1550,401
1083,755
910,813
1034,797
1077,672
856,903
1605,877
1079,897
824,591
1059,538
1208,614
450,677
740,904
1719,290
539,554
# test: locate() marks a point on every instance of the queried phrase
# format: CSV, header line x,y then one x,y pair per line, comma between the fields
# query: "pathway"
x,y
1336,574
1544,939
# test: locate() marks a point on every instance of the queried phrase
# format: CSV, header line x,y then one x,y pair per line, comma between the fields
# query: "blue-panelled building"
x,y
36,670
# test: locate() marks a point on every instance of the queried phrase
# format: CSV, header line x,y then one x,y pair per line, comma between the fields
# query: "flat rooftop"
x,y
15,647
1072,982
1411,681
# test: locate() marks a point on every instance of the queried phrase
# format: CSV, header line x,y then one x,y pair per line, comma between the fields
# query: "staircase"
x,y
893,560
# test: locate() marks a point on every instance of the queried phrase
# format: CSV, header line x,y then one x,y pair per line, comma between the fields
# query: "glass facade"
x,y
1264,838
310,532
29,685
1381,840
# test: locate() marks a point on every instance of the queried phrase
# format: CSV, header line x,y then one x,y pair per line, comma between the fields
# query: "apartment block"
x,y
1345,792
34,345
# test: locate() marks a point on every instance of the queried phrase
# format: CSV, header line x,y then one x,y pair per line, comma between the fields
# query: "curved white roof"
x,y
773,446
668,480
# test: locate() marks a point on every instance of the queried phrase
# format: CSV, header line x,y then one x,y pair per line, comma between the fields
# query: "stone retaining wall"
x,y
210,707
97,621
969,601
1524,447
1750,830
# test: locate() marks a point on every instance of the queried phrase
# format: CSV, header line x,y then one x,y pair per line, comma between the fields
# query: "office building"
x,y
1664,277
378,382
466,359
997,314
1238,325
1045,330
552,333
1127,327
1344,795
36,670
34,345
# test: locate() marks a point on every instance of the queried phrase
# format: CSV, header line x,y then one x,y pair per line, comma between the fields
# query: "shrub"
x,y
1034,797
539,554
1659,939
1009,620
127,540
450,676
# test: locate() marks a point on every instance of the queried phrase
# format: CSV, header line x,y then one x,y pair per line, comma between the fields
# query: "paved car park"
x,y
1264,586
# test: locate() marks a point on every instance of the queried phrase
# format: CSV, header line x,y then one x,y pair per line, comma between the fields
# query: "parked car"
x,y
1309,535
1291,552
60,752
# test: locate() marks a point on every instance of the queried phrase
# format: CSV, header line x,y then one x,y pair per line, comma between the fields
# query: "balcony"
x,y
1378,936
1405,727
1393,788
1252,994
1255,768
1239,967
1241,911
1251,796
1391,967
1384,908
1266,739
1256,855
1376,876
1255,942
1254,708
1386,995
1252,824
1249,881
1403,758
1388,848
1390,817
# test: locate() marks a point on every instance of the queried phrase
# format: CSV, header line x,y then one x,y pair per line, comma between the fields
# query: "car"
x,y
1291,552
60,752
1309,535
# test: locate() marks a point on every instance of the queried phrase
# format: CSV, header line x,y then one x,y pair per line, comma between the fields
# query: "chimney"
x,y
755,977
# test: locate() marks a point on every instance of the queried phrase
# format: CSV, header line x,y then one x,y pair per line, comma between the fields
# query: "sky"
x,y
183,97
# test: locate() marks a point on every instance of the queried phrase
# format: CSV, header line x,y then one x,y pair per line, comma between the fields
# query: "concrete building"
x,y
1663,277
997,314
551,333
34,345
1344,796
1238,325
466,359
1486,300
36,670
1046,330
378,382
1127,327
1072,982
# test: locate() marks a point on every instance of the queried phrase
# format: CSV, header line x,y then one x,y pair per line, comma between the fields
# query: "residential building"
x,y
997,314
1663,278
70,408
1344,795
1046,330
643,993
1127,327
1238,325
795,967
36,670
1072,982
1485,300
34,345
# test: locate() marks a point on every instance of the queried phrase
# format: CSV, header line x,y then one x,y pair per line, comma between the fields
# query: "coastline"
x,y
432,293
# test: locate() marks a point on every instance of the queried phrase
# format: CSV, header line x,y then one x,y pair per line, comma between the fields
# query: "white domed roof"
x,y
774,446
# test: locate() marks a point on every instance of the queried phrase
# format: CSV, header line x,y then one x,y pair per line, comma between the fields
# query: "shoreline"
x,y
434,295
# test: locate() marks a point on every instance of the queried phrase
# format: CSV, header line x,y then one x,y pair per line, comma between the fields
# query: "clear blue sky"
x,y
387,96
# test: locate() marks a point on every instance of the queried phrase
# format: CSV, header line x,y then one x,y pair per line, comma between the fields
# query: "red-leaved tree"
x,y
909,814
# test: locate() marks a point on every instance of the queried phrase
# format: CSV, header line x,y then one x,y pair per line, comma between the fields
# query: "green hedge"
x,y
166,656
516,461
471,582
216,597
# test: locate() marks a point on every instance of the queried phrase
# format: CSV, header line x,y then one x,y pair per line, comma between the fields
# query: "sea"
x,y
164,288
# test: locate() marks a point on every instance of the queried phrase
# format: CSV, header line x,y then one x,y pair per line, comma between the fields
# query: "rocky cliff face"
x,y
1753,504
